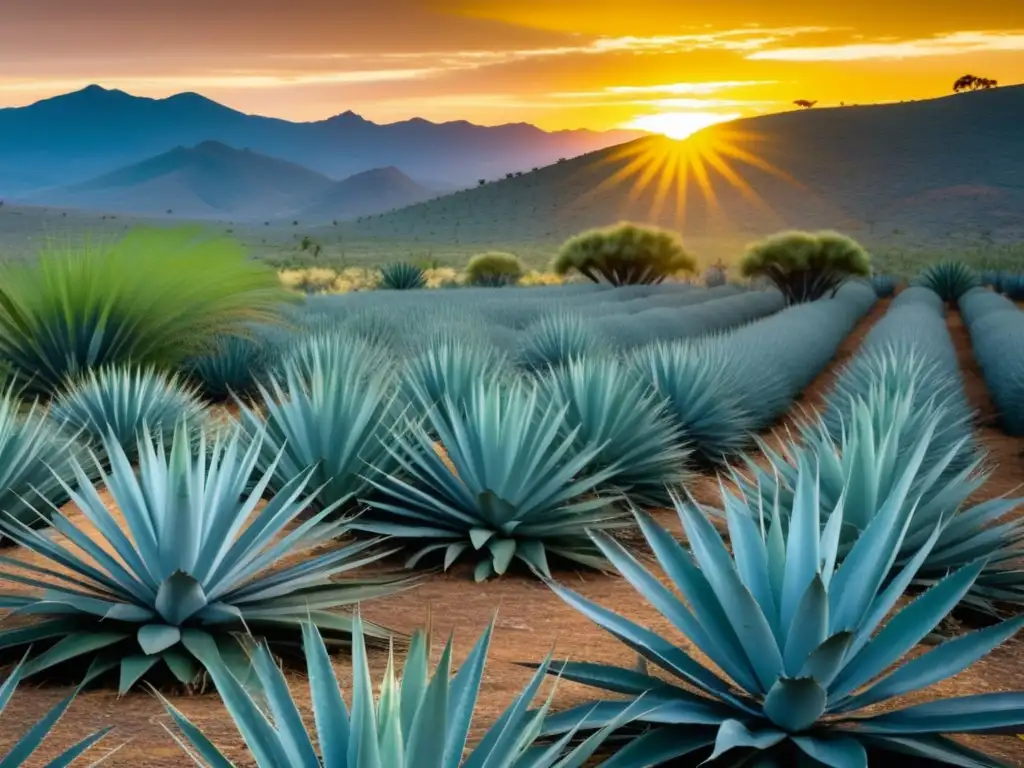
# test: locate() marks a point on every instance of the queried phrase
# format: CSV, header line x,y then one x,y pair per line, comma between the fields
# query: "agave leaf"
x,y
795,704
835,751
735,735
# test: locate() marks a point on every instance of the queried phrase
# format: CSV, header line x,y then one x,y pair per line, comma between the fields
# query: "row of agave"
x,y
537,462
793,617
996,327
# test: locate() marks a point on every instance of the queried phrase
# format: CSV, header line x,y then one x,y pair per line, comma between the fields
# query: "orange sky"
x,y
554,63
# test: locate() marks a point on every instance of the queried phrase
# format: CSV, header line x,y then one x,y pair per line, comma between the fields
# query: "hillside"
x,y
71,138
208,180
936,169
376,191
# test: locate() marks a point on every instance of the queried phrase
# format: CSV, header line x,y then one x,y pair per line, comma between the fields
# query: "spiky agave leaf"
x,y
800,637
116,402
698,382
556,339
888,439
25,748
402,276
949,279
195,562
607,405
418,721
332,350
327,416
449,368
507,487
34,453
233,366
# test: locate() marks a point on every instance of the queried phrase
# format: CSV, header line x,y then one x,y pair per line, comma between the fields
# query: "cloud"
x,y
951,44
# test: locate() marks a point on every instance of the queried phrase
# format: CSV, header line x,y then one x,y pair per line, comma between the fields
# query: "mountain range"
x,y
936,169
213,180
72,138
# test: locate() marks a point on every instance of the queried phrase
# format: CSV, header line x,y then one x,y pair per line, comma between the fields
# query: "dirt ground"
x,y
531,621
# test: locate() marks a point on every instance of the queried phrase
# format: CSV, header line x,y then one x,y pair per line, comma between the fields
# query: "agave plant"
x,y
35,453
197,563
556,339
888,439
25,748
608,406
800,637
449,368
323,415
949,279
335,350
233,366
418,722
509,487
117,402
698,383
1012,286
402,276
884,285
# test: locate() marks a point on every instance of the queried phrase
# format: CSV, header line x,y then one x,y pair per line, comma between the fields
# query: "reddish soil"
x,y
531,621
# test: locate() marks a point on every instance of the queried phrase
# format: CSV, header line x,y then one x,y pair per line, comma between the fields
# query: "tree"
x,y
494,270
481,182
804,103
625,254
806,266
974,83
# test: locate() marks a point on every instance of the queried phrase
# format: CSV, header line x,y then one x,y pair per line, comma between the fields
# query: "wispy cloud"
x,y
687,88
951,44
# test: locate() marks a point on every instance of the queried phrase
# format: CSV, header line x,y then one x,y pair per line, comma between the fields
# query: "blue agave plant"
x,y
801,637
25,748
118,402
508,487
949,279
328,416
35,453
699,383
418,722
402,276
887,440
232,366
556,339
607,405
196,563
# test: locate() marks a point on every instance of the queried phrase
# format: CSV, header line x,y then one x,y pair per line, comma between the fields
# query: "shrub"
x,y
326,416
35,456
884,285
716,275
608,406
232,366
494,269
417,722
156,298
1012,286
26,747
505,488
118,402
949,279
625,254
556,339
402,277
794,635
196,567
806,266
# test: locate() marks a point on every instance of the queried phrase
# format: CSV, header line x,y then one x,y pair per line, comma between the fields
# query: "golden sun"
x,y
678,125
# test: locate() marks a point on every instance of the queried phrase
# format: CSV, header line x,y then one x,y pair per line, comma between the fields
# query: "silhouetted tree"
x,y
805,104
481,182
974,83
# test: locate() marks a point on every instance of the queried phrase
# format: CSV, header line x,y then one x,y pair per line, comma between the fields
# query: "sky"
x,y
554,63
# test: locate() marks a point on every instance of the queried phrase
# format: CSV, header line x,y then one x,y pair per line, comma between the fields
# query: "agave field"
x,y
610,523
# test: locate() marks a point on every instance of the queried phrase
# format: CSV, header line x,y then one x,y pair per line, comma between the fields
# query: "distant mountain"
x,y
210,179
937,169
74,137
369,192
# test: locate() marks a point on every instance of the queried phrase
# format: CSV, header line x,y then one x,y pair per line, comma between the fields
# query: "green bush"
x,y
494,269
625,254
806,266
156,297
